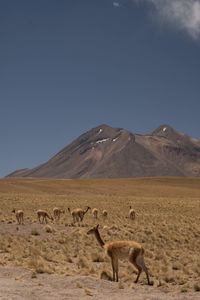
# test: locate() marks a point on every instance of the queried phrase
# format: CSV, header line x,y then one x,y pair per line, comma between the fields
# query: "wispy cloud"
x,y
116,4
183,14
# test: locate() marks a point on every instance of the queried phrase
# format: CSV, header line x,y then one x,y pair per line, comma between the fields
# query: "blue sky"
x,y
70,65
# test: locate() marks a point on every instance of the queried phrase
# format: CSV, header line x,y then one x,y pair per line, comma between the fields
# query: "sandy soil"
x,y
25,230
16,283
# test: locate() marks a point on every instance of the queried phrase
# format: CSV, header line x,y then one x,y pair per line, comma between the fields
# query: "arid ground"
x,y
59,260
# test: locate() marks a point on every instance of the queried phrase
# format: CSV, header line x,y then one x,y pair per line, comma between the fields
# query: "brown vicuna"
x,y
78,213
131,213
42,214
95,213
57,212
19,216
129,250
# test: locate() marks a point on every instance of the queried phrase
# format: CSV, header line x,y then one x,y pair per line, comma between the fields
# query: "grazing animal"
x,y
105,213
19,216
44,215
130,250
57,212
131,213
78,213
95,213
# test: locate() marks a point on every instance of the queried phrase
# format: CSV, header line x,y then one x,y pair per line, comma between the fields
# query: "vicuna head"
x,y
93,229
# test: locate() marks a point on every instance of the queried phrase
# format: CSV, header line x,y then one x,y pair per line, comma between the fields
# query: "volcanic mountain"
x,y
106,152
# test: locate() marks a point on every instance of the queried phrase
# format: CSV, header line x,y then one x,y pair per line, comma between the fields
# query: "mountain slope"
x,y
114,152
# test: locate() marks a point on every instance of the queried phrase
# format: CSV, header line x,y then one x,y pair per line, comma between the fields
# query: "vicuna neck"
x,y
86,210
99,239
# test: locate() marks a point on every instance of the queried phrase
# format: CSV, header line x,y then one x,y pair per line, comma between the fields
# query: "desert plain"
x,y
58,260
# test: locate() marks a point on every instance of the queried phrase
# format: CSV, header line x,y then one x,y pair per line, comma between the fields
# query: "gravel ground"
x,y
16,284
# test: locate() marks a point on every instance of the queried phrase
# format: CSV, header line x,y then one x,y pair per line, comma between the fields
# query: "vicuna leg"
x,y
17,217
135,260
139,269
22,219
140,261
139,272
114,262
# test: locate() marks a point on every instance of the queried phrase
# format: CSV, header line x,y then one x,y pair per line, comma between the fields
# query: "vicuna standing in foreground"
x,y
19,216
130,250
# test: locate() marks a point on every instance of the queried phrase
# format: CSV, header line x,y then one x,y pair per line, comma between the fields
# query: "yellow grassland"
x,y
167,224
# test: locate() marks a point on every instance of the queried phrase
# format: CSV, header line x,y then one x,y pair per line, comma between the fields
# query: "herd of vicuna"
x,y
123,249
77,214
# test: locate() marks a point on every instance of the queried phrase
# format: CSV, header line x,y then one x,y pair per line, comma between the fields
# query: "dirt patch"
x,y
17,283
29,228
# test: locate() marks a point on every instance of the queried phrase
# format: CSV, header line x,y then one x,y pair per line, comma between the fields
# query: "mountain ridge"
x,y
107,152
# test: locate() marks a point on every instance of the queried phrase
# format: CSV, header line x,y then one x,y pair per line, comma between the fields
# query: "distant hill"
x,y
106,152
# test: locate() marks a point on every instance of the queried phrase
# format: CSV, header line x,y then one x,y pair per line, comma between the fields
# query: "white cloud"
x,y
116,4
184,14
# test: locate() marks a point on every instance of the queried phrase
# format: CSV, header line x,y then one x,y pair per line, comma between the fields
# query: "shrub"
x,y
49,229
197,287
35,232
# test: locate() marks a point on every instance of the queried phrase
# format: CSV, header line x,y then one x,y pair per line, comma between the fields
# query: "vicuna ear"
x,y
97,226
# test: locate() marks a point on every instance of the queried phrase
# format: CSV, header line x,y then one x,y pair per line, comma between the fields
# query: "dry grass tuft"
x,y
120,285
33,275
38,263
87,292
48,229
83,263
105,276
35,232
197,287
97,257
79,285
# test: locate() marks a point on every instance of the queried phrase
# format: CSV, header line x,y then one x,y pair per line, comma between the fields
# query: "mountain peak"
x,y
165,130
102,131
